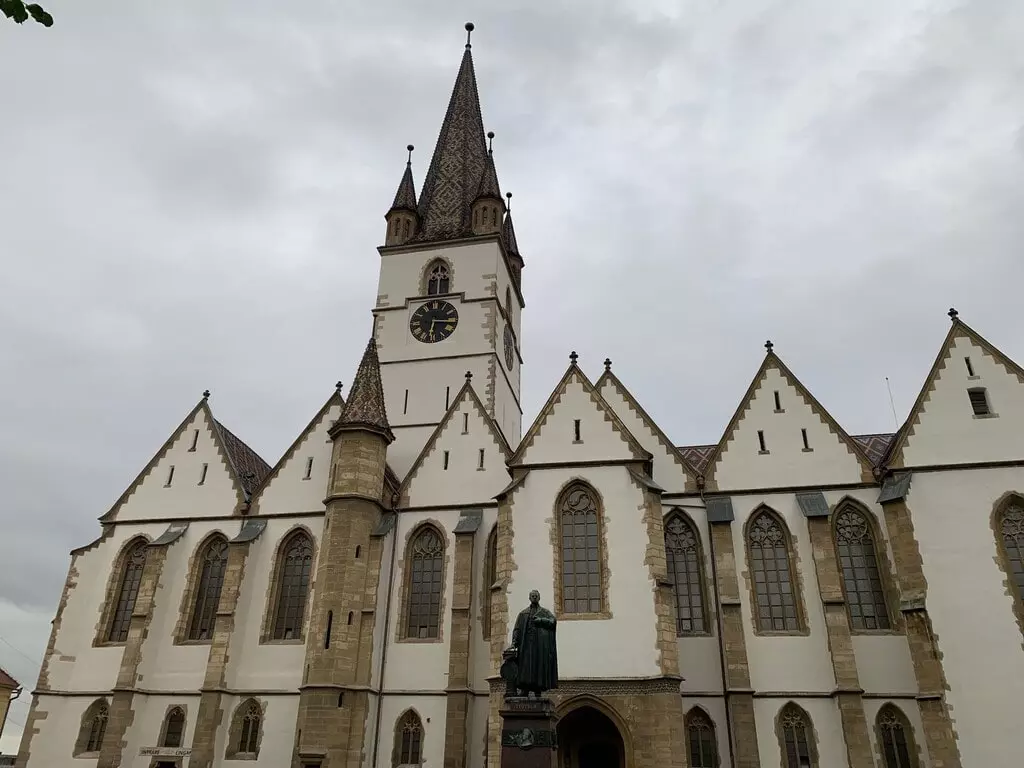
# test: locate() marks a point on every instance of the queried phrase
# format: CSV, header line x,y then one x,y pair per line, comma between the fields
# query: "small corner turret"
x,y
402,218
488,207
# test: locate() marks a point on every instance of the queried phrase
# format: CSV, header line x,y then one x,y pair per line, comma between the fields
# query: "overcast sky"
x,y
191,195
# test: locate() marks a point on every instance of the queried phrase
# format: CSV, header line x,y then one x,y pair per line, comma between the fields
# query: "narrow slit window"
x,y
170,477
327,634
480,459
195,440
760,442
465,423
309,468
447,397
778,402
970,368
358,550
445,459
576,430
979,402
341,699
405,404
803,436
202,474
350,617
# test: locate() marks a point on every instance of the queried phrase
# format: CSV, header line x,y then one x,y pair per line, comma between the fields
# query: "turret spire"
x,y
364,408
508,234
402,217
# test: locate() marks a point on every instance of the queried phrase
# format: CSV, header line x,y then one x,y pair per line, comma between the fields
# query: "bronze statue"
x,y
531,662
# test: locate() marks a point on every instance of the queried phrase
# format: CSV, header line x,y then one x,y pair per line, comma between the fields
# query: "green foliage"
x,y
19,12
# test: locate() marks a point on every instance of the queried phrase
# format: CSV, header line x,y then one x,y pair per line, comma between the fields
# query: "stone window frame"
x,y
171,708
406,582
677,512
791,707
274,588
234,735
425,277
189,594
487,584
98,709
602,543
796,580
913,748
699,711
1002,556
112,595
890,588
396,749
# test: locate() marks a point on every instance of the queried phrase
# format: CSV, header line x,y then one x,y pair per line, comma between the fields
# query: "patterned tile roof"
x,y
457,165
508,234
6,681
489,180
697,455
248,467
875,446
405,197
365,404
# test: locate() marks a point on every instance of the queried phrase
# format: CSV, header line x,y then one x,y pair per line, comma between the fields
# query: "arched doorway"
x,y
587,738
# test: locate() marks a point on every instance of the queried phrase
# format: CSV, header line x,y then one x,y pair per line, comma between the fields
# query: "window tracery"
x,y
858,564
794,728
1011,533
131,580
410,740
213,563
685,569
894,735
701,740
425,582
294,568
772,573
438,279
579,536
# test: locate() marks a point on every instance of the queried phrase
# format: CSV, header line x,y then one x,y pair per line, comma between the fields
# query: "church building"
x,y
791,596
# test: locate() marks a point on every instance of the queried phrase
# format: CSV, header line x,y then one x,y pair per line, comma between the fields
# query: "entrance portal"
x,y
587,738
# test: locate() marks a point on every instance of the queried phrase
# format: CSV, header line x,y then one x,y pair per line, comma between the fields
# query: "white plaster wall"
x,y
144,731
667,472
385,622
432,711
827,726
787,662
948,431
598,439
55,742
786,464
370,729
623,646
463,482
480,649
276,665
290,490
713,708
507,408
409,441
420,665
884,664
911,711
164,665
185,497
278,743
475,266
971,614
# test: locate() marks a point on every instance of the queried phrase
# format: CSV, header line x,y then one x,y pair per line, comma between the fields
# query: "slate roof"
x,y
6,681
697,455
247,465
508,234
875,446
365,404
405,196
489,180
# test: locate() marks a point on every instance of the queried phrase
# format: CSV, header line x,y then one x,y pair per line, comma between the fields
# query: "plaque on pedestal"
x,y
528,737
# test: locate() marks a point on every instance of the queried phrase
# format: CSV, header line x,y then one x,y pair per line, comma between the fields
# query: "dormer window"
x,y
438,279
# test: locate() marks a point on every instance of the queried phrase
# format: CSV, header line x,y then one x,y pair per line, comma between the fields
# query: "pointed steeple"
x,y
365,406
488,207
402,219
405,197
508,235
453,178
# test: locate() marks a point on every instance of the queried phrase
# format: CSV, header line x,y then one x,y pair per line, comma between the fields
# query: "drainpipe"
x,y
718,622
387,637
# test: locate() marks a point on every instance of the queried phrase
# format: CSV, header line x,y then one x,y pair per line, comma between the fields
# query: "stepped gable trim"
x,y
688,468
574,372
334,399
959,329
772,360
203,405
467,392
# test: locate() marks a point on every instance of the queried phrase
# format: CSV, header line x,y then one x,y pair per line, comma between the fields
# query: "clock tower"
x,y
449,297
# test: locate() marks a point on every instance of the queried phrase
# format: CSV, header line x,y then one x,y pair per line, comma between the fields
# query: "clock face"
x,y
510,348
434,321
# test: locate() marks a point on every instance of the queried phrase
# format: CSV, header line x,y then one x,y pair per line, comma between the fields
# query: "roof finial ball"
x,y
952,313
508,196
410,148
206,394
490,141
607,363
769,346
573,357
469,33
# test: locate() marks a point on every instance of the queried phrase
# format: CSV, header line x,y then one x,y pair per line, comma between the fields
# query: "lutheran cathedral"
x,y
792,595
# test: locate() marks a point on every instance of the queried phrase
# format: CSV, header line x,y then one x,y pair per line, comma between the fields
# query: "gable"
x,y
448,470
552,437
829,456
201,484
299,481
942,427
670,468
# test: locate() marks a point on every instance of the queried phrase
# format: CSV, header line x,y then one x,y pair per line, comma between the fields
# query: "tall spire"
x,y
456,168
405,197
508,232
364,408
402,219
489,180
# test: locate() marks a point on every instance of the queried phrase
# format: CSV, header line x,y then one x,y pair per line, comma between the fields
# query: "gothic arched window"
x,y
92,728
213,561
133,561
424,583
438,278
295,563
1011,538
174,728
685,569
700,738
245,731
795,738
894,735
490,577
408,740
772,571
858,562
579,525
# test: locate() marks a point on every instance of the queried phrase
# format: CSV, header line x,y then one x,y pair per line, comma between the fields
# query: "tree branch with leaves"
x,y
19,12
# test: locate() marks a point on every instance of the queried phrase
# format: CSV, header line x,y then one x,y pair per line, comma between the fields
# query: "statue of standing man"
x,y
531,662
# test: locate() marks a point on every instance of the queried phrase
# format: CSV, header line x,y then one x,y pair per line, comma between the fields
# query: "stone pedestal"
x,y
528,738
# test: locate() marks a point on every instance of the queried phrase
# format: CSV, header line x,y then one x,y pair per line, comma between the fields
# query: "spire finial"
x,y
490,141
469,33
607,364
769,346
206,394
337,387
952,313
410,148
573,357
508,205
469,376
